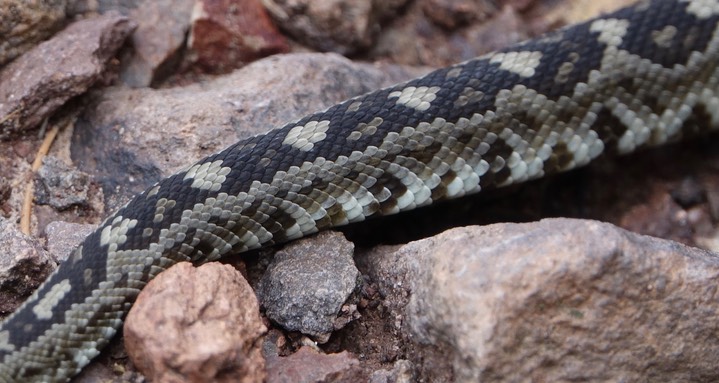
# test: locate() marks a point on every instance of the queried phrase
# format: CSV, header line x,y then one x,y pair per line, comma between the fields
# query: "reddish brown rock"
x,y
197,325
309,366
226,34
35,85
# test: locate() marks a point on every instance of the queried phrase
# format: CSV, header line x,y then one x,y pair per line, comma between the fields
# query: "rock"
x,y
63,193
23,24
157,42
309,366
34,86
341,26
61,186
557,300
158,132
197,325
227,34
307,284
64,237
23,266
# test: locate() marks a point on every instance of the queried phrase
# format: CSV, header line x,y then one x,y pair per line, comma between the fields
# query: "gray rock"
x,y
64,237
64,193
35,85
23,24
557,300
158,132
61,186
23,266
307,284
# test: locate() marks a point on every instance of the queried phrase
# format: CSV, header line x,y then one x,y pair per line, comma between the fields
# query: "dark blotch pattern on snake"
x,y
642,76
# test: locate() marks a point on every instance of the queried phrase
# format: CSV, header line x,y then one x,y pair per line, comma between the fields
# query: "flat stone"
x,y
35,85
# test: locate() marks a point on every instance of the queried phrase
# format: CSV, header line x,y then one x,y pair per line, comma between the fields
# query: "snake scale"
x,y
641,76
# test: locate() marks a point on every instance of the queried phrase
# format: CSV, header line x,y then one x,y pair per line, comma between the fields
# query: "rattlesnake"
x,y
641,76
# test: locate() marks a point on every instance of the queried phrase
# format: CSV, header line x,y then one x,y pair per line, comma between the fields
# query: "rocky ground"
x,y
126,92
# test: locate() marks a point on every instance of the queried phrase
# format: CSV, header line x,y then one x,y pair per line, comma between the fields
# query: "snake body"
x,y
641,76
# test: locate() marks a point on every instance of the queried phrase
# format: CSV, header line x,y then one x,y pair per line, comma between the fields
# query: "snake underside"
x,y
641,76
